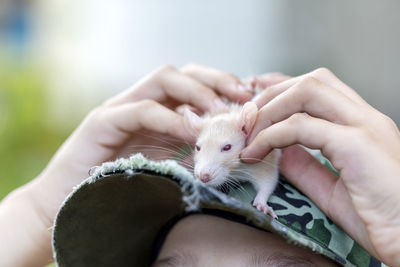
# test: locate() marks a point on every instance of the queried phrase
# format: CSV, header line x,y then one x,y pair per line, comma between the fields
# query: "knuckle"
x,y
321,72
190,67
162,74
361,134
262,135
306,86
146,104
307,81
225,78
228,77
165,69
387,120
297,118
202,93
107,103
98,111
197,89
97,116
383,121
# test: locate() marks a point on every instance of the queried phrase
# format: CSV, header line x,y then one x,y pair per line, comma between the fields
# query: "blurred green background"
x,y
28,140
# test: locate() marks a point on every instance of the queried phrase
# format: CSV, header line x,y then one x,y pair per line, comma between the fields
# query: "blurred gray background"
x,y
101,47
61,58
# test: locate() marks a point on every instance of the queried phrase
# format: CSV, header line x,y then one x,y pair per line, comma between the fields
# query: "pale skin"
x,y
319,111
364,202
204,240
110,131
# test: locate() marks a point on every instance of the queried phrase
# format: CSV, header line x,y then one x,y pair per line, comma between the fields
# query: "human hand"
x,y
319,111
127,121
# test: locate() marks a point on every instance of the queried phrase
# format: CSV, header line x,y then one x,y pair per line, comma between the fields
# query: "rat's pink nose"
x,y
205,177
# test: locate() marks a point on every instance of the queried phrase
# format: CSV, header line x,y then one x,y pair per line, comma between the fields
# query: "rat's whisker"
x,y
217,132
175,140
184,152
152,148
163,138
177,155
226,187
237,185
242,171
186,165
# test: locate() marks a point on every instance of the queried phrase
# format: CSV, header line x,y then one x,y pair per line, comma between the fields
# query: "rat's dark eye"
x,y
197,148
227,147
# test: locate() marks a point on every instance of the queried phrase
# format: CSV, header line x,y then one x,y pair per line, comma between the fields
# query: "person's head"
x,y
137,212
207,240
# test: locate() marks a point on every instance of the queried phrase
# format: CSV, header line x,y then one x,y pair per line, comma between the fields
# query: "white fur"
x,y
230,126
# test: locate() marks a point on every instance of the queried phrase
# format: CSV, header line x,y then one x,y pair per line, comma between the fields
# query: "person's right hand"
x,y
319,111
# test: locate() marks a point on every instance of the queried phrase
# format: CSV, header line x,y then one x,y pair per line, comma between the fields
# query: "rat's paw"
x,y
263,207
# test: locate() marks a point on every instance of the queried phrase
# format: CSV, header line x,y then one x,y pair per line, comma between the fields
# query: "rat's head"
x,y
220,140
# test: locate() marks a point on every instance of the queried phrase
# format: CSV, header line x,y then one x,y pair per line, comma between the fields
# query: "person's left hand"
x,y
141,117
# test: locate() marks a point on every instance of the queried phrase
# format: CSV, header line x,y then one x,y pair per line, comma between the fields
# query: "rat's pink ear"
x,y
192,122
247,117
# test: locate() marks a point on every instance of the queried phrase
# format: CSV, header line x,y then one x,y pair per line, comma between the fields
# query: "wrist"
x,y
387,244
24,229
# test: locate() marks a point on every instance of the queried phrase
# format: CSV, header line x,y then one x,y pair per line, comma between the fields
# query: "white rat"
x,y
221,136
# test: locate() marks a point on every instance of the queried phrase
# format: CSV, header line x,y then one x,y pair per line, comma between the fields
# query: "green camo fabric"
x,y
301,215
308,226
299,221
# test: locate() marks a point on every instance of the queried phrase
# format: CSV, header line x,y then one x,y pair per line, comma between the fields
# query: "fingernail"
x,y
244,158
219,104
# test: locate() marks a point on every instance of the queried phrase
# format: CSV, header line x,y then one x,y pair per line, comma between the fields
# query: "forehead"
x,y
219,129
204,240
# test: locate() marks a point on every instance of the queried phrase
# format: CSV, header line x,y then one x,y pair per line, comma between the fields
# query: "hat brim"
x,y
114,216
116,220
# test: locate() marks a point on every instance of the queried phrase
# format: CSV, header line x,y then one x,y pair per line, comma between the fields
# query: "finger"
x,y
224,83
265,80
324,188
181,109
309,175
310,96
168,83
300,128
328,77
322,74
269,79
128,118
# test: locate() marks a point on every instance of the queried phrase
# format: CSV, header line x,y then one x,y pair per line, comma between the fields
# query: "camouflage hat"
x,y
113,217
